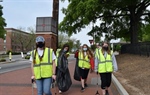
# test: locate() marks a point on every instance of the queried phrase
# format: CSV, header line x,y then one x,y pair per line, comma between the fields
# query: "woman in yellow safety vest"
x,y
43,66
57,54
84,57
105,65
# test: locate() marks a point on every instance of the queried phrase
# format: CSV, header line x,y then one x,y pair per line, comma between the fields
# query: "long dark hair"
x,y
65,45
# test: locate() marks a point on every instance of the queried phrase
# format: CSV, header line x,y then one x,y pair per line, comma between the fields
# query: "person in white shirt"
x,y
43,66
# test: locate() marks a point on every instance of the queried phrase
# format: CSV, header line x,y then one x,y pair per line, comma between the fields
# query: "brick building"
x,y
17,41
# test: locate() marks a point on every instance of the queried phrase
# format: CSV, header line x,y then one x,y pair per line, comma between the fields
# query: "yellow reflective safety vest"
x,y
57,54
96,52
43,68
10,55
83,62
105,64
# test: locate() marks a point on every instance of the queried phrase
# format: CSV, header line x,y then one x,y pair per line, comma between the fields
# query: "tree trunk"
x,y
134,25
55,16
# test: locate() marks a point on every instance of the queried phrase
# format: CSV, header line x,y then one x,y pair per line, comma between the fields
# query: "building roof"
x,y
16,30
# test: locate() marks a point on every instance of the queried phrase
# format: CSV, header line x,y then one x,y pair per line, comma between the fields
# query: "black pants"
x,y
84,73
105,80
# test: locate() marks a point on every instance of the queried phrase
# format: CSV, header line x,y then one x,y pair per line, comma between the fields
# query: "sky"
x,y
23,13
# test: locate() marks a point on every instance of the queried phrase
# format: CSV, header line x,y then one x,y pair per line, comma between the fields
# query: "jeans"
x,y
44,86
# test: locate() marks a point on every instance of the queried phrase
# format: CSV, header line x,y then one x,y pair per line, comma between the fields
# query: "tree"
x,y
55,16
32,36
146,33
77,44
117,18
72,42
62,39
2,24
22,40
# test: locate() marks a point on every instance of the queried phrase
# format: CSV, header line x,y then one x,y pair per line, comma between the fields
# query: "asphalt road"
x,y
19,63
11,66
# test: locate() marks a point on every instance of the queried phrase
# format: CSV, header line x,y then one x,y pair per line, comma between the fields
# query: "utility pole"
x,y
56,16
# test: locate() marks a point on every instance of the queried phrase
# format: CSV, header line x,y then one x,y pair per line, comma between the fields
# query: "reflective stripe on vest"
x,y
43,68
97,52
83,62
57,54
105,64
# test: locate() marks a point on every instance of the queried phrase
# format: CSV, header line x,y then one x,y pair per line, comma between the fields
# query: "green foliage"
x,y
117,47
146,33
13,53
63,39
115,18
77,44
2,24
2,60
8,51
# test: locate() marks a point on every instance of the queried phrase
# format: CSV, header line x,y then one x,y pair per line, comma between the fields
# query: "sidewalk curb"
x,y
5,62
119,87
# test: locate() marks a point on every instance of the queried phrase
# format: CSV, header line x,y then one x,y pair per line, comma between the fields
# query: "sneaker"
x,y
60,92
82,89
85,85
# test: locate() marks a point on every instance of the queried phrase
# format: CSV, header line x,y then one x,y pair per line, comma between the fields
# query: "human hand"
x,y
54,77
32,79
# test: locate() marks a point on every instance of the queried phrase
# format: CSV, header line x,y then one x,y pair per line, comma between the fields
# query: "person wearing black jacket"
x,y
63,75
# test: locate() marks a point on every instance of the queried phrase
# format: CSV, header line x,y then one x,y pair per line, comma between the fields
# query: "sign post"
x,y
91,41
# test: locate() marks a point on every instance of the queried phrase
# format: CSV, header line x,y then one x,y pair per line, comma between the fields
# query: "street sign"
x,y
91,41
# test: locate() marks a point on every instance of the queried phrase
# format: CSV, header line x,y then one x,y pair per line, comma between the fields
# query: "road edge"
x,y
119,87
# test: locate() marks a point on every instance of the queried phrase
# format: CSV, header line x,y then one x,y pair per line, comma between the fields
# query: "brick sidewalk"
x,y
19,83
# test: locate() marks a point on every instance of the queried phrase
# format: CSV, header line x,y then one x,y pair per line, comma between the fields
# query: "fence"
x,y
139,48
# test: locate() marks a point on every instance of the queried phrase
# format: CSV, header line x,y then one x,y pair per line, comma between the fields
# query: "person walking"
x,y
106,64
98,47
84,57
10,55
43,66
63,75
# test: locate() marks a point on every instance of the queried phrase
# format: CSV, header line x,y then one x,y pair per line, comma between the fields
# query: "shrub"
x,y
118,47
2,60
